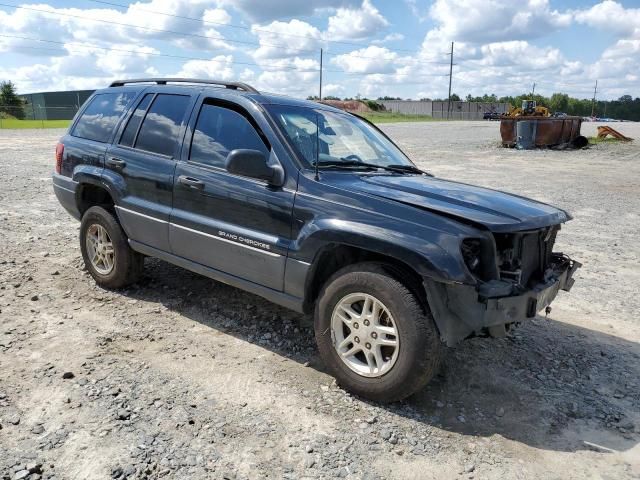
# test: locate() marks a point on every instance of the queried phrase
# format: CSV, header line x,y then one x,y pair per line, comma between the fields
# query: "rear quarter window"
x,y
101,116
129,135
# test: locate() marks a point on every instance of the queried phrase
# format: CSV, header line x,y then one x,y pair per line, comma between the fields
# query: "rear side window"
x,y
129,134
220,130
160,128
101,116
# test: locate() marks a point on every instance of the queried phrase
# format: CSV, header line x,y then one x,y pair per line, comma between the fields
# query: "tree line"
x,y
624,108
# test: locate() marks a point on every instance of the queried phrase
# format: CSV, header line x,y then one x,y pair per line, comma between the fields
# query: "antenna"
x,y
320,92
317,177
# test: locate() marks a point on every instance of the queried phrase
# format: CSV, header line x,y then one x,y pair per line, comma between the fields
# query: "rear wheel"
x,y
106,252
373,334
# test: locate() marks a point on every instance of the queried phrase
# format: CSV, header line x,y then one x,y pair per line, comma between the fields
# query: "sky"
x,y
371,48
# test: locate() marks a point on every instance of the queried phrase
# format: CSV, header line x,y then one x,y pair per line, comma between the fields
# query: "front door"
x,y
237,225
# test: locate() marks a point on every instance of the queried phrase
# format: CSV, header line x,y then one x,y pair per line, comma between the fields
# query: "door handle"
x,y
191,182
115,163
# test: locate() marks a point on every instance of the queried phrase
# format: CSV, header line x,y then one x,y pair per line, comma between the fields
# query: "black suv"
x,y
312,208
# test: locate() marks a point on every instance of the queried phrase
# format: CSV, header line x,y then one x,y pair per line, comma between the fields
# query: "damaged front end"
x,y
518,275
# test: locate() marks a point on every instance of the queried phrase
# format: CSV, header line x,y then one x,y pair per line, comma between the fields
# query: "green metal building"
x,y
54,105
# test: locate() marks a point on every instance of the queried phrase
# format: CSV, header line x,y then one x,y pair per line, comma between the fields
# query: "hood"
x,y
497,211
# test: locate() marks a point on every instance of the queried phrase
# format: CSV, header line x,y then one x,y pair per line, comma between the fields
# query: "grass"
x,y
11,123
390,117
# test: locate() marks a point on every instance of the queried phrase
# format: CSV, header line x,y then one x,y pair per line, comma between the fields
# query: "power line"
x,y
158,30
195,35
349,54
243,27
135,53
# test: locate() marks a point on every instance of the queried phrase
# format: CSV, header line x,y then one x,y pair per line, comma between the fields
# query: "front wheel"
x,y
373,334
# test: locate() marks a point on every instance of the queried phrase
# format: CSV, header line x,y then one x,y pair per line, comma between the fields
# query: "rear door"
x,y
142,162
94,129
238,225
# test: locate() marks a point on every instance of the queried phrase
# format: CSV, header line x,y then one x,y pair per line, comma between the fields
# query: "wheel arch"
x,y
90,194
335,256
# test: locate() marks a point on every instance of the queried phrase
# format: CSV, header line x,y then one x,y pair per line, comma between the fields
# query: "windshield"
x,y
343,137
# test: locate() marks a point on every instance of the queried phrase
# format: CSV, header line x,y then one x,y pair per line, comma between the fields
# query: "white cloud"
x,y
612,17
480,21
216,15
333,89
297,77
263,11
356,24
522,54
88,68
367,60
391,37
623,48
417,11
92,24
219,67
300,38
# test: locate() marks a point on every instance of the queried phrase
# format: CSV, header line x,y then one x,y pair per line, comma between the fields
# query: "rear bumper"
x,y
65,189
464,310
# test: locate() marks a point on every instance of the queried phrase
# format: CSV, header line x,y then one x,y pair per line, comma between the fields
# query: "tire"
x,y
126,265
419,349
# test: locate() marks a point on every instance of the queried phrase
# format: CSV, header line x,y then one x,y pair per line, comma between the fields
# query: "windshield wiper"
x,y
345,164
409,168
357,164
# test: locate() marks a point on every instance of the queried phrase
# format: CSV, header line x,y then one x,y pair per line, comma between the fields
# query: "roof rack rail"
x,y
164,81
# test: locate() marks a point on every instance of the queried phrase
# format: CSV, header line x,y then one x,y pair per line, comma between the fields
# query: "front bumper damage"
x,y
461,311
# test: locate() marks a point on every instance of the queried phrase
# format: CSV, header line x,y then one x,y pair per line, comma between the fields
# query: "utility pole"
x,y
593,102
320,95
450,77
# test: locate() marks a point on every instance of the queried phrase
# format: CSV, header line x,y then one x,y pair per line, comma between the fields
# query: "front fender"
x,y
437,258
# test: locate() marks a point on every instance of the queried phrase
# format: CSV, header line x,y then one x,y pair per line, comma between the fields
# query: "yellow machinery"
x,y
529,108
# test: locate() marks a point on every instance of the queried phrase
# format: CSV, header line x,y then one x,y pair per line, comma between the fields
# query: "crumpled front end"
x,y
524,279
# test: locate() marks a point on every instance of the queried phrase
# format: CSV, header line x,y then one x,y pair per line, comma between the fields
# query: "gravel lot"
x,y
182,377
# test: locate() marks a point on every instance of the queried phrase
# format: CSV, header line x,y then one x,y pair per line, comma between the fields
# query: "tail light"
x,y
59,155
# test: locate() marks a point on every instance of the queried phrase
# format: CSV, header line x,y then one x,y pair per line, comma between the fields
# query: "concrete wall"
x,y
467,110
408,107
459,110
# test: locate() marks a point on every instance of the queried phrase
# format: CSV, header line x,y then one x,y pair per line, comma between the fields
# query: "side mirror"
x,y
253,163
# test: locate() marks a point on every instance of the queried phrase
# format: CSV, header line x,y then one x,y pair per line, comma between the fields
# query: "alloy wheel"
x,y
365,335
100,249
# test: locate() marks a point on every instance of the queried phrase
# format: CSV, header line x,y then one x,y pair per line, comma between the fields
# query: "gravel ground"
x,y
182,377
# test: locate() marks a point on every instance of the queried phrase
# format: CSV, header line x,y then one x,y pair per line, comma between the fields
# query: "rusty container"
x,y
545,131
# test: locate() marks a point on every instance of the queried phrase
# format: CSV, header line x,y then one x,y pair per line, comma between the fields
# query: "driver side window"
x,y
218,131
